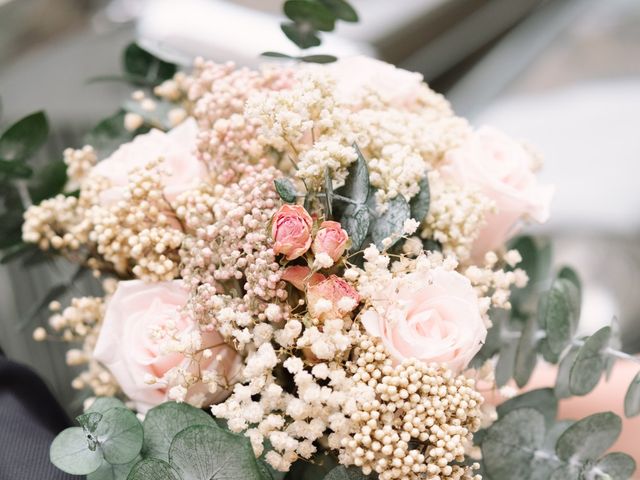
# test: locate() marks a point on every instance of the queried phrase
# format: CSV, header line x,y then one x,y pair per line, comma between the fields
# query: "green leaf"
x,y
15,169
156,118
139,63
108,135
566,472
341,10
346,473
15,251
562,389
277,55
619,466
328,194
555,316
89,421
102,404
310,14
120,435
420,202
355,221
536,261
391,223
165,421
301,36
153,469
526,355
632,398
208,453
357,185
70,452
286,189
48,181
511,443
542,399
589,438
113,472
555,429
25,137
318,58
589,363
506,362
570,274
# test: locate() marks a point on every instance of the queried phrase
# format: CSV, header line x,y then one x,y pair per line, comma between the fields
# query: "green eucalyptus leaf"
x,y
25,137
70,452
341,9
632,398
357,186
617,465
153,469
542,399
493,341
511,443
526,355
391,223
140,64
562,389
589,438
301,35
203,452
420,202
356,221
277,55
120,435
555,429
555,311
286,189
310,14
570,274
102,404
165,421
48,181
589,363
346,473
566,472
506,362
536,262
89,421
318,58
113,472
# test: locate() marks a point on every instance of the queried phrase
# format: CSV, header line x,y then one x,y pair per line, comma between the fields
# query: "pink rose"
x,y
291,231
359,75
332,297
176,147
434,317
300,276
330,239
128,348
502,169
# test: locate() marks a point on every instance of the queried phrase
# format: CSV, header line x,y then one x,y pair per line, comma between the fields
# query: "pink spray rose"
x,y
332,297
434,317
331,239
128,347
300,276
502,170
176,147
291,231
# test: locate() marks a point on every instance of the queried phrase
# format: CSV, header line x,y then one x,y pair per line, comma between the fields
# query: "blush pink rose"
x,y
501,169
331,239
291,231
434,318
127,347
300,276
332,297
176,147
358,76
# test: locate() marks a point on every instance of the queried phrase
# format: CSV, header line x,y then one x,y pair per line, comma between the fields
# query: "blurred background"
x,y
562,74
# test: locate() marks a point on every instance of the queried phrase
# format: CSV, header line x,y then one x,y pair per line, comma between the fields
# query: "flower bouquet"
x,y
309,272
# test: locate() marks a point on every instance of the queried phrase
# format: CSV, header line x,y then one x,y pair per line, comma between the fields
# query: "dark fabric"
x,y
30,418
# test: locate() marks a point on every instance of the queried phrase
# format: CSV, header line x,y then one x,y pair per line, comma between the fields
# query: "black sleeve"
x,y
30,418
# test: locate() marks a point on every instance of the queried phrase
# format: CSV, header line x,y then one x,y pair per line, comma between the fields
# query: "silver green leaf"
x,y
89,421
356,221
208,453
70,452
286,189
113,472
506,362
165,421
589,363
541,399
617,465
589,438
391,223
420,202
562,389
632,398
102,404
346,473
555,311
566,472
511,443
153,469
24,138
356,186
526,355
120,435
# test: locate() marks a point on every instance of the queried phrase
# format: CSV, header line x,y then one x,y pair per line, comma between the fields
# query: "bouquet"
x,y
310,271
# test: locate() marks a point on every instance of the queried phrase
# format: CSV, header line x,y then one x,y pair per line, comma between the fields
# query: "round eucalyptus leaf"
x,y
542,399
632,398
619,466
589,363
165,421
70,452
313,14
120,435
341,10
89,421
346,473
566,472
102,404
589,438
562,389
302,37
511,443
555,312
526,355
204,452
113,472
554,431
153,469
